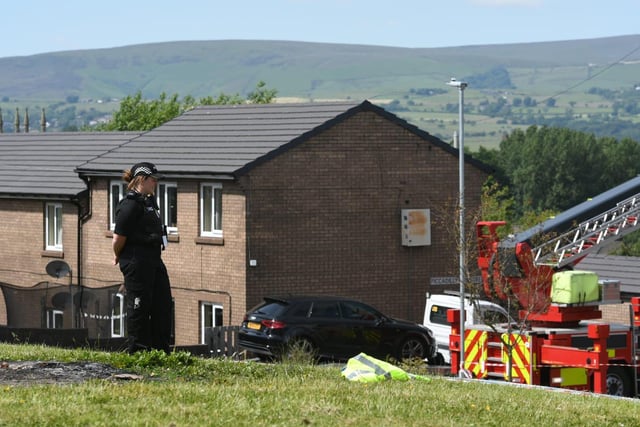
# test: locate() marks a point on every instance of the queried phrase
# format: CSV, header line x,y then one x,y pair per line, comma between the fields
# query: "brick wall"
x,y
616,313
324,217
23,258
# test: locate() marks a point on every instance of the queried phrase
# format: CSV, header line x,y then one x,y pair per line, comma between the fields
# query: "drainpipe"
x,y
83,215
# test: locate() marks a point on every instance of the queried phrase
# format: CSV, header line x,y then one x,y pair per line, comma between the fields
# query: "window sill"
x,y
173,238
209,241
52,254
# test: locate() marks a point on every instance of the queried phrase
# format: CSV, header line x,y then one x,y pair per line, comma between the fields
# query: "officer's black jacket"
x,y
138,218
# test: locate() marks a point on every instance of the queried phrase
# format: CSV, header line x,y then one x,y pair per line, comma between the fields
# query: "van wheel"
x,y
619,382
438,360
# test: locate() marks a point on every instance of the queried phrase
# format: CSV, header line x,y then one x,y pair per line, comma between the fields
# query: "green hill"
x,y
76,87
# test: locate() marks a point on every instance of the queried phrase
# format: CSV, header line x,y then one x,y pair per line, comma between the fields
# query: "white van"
x,y
435,317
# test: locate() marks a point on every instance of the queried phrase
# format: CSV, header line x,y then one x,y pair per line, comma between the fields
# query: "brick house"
x,y
284,198
40,196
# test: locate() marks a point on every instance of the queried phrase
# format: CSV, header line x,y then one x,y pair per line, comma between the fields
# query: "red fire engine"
x,y
555,343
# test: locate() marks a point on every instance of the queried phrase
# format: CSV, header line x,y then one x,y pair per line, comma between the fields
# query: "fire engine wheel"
x,y
413,348
619,382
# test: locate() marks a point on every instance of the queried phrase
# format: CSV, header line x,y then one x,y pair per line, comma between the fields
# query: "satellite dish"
x,y
58,269
83,298
60,300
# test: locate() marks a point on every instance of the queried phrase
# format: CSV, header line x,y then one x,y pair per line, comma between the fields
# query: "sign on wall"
x,y
416,227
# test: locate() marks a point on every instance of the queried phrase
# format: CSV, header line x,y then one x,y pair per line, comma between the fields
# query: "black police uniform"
x,y
145,275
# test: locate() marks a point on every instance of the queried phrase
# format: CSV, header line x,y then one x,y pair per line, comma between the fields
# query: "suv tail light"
x,y
273,324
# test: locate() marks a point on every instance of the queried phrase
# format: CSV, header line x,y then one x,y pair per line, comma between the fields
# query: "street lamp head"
x,y
455,83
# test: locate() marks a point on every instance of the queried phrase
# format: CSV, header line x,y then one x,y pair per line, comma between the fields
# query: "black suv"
x,y
331,328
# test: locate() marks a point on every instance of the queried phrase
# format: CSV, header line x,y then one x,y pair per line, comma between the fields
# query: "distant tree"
x,y
261,95
138,114
495,78
72,99
552,169
427,91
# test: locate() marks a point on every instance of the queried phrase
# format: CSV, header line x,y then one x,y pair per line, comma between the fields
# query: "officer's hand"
x,y
116,260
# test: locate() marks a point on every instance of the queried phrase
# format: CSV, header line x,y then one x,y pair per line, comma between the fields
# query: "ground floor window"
x,y
210,317
54,319
117,316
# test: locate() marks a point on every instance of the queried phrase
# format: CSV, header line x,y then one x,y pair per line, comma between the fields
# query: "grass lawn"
x,y
181,390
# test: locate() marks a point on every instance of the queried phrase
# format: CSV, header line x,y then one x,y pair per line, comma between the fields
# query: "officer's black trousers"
x,y
148,304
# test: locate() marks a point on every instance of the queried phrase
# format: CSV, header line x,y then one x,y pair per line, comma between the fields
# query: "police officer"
x,y
138,241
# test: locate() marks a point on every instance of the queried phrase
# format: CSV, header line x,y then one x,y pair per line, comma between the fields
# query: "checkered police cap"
x,y
145,169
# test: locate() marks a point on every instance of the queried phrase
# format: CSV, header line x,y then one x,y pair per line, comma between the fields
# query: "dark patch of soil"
x,y
35,373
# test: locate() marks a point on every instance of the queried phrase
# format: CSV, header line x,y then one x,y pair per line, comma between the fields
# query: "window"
x,y
54,319
117,190
168,203
300,310
490,317
355,311
211,210
210,317
325,310
53,226
439,315
117,315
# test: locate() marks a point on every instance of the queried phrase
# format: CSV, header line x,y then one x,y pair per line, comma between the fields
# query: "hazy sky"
x,y
29,27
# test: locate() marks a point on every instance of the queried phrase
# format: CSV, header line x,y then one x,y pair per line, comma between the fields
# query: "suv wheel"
x,y
413,348
301,349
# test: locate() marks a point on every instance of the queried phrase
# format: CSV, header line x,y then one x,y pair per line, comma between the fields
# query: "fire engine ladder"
x,y
590,235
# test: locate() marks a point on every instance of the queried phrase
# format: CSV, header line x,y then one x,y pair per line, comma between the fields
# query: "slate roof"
x,y
207,142
42,164
623,268
225,141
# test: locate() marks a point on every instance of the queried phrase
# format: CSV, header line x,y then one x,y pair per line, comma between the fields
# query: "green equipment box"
x,y
574,287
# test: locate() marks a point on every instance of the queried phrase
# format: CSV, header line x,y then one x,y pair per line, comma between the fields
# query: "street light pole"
x,y
461,247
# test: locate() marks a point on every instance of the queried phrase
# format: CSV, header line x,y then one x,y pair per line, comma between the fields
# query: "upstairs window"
x,y
168,203
211,210
53,227
167,198
117,190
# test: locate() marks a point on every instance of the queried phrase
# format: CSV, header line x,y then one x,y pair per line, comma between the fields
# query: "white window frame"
x,y
163,200
53,226
55,318
208,228
208,312
122,190
118,316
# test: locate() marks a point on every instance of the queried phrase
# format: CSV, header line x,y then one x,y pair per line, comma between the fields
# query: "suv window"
x,y
325,309
270,308
300,310
353,310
